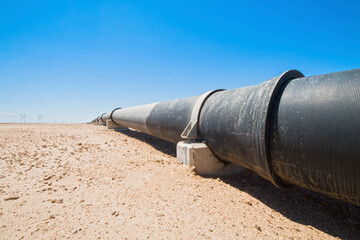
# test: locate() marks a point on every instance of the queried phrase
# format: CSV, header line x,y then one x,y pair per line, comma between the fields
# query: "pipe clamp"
x,y
191,130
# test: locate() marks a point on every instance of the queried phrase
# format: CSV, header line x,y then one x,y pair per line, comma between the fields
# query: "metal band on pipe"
x,y
191,130
102,116
111,118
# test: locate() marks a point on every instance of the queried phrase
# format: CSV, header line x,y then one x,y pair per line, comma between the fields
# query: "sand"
x,y
85,182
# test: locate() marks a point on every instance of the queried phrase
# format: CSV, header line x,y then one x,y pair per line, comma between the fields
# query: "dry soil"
x,y
86,182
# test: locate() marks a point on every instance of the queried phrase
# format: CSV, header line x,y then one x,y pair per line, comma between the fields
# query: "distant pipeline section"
x,y
290,129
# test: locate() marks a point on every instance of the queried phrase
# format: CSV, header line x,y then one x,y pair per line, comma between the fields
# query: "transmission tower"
x,y
22,118
40,118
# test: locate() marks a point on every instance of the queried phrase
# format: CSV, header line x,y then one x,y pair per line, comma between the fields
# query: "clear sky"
x,y
73,60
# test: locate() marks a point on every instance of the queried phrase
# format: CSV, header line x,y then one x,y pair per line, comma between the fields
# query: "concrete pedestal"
x,y
206,164
111,125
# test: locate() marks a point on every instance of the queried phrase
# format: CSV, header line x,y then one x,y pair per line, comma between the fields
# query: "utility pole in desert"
x,y
22,118
40,118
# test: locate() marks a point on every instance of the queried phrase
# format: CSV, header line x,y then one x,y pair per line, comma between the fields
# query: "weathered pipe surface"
x,y
315,134
240,134
165,120
290,129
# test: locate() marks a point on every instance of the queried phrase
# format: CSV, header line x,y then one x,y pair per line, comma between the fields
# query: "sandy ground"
x,y
85,182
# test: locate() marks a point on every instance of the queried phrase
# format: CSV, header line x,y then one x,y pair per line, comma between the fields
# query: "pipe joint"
x,y
111,114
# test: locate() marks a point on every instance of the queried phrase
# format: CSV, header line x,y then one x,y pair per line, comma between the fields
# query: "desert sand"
x,y
81,181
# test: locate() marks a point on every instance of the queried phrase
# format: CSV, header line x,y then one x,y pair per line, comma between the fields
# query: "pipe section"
x,y
290,129
166,120
315,134
240,136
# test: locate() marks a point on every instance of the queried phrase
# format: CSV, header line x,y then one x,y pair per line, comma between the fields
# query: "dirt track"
x,y
84,182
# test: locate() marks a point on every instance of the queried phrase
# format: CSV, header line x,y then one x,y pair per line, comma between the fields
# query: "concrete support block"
x,y
206,164
101,123
111,125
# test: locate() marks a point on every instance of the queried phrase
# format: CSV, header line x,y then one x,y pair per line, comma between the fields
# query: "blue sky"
x,y
73,60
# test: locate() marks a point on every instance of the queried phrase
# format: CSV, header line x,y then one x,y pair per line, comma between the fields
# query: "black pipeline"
x,y
290,129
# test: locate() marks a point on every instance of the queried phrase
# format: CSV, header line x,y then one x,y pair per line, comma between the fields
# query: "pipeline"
x,y
290,130
101,120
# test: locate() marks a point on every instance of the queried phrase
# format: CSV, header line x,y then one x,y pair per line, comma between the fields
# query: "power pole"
x,y
40,118
22,118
